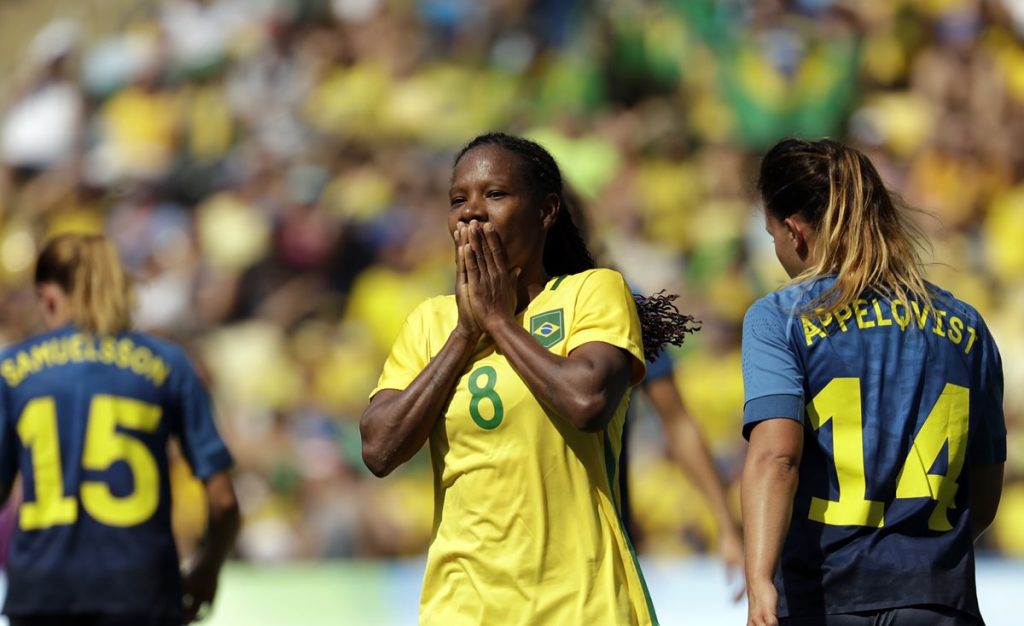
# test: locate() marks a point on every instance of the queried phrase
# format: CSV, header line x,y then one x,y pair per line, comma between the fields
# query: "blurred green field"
x,y
313,593
386,593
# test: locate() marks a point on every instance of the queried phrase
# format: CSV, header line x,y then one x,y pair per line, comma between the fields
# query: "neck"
x,y
58,321
531,283
58,317
809,257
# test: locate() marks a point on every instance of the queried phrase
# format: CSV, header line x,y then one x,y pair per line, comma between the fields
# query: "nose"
x,y
473,209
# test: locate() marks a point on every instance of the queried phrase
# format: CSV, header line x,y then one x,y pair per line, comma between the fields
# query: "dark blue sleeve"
x,y
988,445
659,368
200,441
772,378
8,445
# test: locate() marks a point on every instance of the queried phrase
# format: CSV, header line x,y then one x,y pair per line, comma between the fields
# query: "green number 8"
x,y
485,391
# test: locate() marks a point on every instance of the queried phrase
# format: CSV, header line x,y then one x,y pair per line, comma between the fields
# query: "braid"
x,y
566,251
662,323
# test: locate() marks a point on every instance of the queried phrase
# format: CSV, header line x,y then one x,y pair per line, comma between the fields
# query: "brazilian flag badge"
x,y
548,328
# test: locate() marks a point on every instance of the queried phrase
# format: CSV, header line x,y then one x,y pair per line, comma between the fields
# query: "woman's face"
x,y
489,185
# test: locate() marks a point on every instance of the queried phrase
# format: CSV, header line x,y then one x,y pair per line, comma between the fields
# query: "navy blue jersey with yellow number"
x,y
898,401
85,420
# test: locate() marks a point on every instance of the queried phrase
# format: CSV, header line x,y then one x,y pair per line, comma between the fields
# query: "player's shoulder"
x,y
962,315
435,306
595,278
774,314
166,355
159,346
26,344
783,303
432,317
945,299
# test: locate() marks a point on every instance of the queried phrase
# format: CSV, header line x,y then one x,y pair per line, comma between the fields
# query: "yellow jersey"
x,y
526,515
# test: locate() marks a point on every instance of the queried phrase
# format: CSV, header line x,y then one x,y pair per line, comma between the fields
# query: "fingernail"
x,y
488,227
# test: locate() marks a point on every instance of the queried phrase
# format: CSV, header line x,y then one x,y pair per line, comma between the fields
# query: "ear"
x,y
46,294
53,305
799,233
549,209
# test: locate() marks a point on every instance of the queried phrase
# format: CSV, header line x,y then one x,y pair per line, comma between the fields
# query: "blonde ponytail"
x,y
88,269
864,236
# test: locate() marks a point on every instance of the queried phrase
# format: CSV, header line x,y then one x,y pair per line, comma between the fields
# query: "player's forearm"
x,y
688,448
582,393
768,485
397,423
223,523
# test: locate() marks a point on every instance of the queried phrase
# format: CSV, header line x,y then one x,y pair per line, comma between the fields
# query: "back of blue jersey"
x,y
86,420
898,400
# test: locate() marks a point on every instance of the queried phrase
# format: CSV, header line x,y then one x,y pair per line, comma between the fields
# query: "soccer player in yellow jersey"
x,y
520,381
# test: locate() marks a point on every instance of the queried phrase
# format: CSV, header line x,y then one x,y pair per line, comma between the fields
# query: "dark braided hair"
x,y
566,252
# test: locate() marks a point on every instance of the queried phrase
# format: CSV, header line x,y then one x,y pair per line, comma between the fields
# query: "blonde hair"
x,y
89,270
864,235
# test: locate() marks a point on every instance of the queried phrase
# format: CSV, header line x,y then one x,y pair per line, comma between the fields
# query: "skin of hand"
x,y
762,600
730,548
199,580
492,287
468,325
199,586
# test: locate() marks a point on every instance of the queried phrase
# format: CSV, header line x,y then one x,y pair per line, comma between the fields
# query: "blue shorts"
x,y
904,616
94,620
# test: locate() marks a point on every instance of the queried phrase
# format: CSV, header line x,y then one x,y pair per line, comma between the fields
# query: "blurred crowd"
x,y
275,172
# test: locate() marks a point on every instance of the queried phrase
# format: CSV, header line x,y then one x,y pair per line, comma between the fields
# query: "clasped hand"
x,y
485,287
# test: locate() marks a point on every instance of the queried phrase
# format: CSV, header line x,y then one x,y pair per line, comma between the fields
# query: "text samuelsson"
x,y
80,348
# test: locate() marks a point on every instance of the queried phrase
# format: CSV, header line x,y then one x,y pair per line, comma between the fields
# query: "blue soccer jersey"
x,y
898,400
86,420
